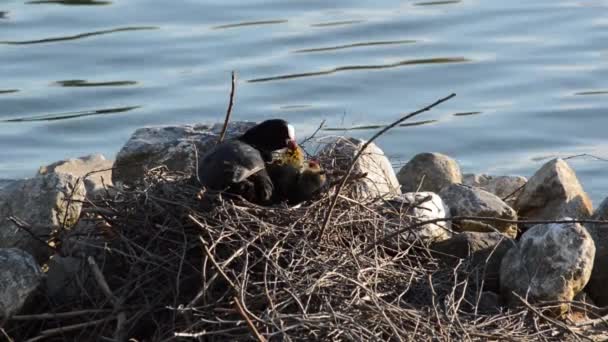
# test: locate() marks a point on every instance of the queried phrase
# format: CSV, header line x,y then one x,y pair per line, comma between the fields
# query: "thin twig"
x,y
26,227
362,149
105,288
252,327
229,110
61,330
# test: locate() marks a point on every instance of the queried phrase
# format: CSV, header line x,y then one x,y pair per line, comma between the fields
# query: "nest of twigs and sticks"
x,y
167,261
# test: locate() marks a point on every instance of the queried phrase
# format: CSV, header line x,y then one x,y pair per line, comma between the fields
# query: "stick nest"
x,y
182,264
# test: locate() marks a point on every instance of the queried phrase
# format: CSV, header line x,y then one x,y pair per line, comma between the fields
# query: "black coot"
x,y
238,165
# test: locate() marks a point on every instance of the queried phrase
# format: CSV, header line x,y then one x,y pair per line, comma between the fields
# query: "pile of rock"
x,y
522,262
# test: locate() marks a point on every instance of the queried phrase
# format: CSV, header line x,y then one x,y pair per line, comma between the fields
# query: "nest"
x,y
168,261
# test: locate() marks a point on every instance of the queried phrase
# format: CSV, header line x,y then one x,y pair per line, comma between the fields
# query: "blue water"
x,y
531,77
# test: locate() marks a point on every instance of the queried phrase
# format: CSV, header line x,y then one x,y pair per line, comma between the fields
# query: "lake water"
x,y
531,77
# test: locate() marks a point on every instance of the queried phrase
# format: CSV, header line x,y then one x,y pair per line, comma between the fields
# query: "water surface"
x,y
78,76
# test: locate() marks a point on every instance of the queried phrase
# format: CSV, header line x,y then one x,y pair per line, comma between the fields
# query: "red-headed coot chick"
x,y
295,184
238,165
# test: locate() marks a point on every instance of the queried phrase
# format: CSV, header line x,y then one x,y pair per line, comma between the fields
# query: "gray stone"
x,y
467,201
599,277
177,147
62,280
553,191
423,206
94,170
501,186
551,262
484,251
380,180
43,203
429,172
19,279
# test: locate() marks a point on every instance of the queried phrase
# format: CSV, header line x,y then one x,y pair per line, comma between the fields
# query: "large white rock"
x,y
553,191
380,181
42,202
429,172
599,277
551,262
501,186
94,170
179,148
19,278
423,206
468,201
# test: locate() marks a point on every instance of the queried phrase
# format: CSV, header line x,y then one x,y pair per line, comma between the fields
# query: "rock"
x,y
380,180
19,279
551,262
429,172
61,282
484,250
501,186
95,167
553,191
42,203
422,205
467,201
176,147
599,277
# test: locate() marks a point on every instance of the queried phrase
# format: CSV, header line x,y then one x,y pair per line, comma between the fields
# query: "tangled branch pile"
x,y
180,264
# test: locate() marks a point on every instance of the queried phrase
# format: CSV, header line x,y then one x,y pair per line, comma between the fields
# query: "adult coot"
x,y
238,165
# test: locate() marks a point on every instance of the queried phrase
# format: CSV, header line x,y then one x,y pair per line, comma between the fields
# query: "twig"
x,y
252,327
310,137
22,225
61,330
105,288
362,149
51,315
551,320
229,110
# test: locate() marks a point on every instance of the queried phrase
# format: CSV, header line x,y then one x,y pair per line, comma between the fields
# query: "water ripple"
x,y
71,115
8,91
466,113
79,36
250,23
595,92
3,14
441,60
70,2
368,127
85,83
433,3
338,23
356,45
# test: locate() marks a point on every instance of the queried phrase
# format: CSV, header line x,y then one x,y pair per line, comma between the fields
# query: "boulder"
x,y
552,192
380,179
484,251
424,206
179,148
468,201
429,172
61,283
95,167
19,279
551,262
43,202
599,276
501,186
